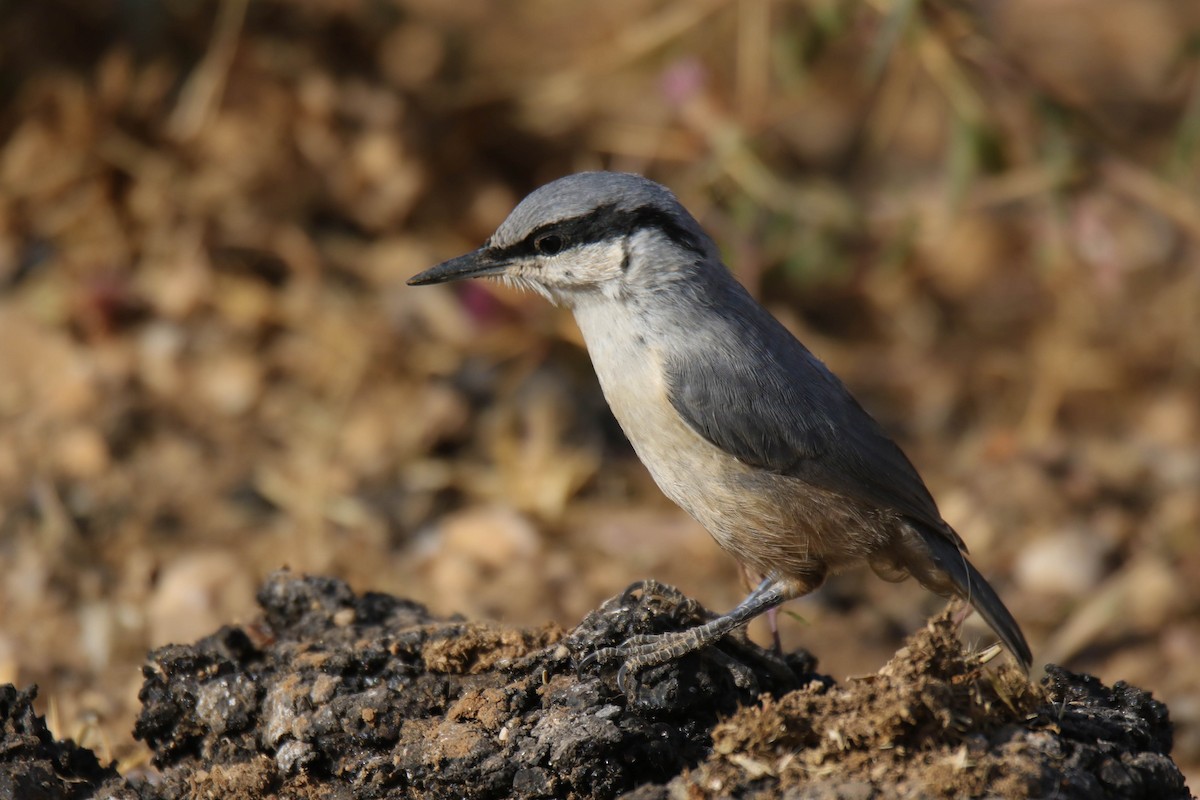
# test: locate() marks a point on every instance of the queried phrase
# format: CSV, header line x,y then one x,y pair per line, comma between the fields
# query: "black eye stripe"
x,y
604,223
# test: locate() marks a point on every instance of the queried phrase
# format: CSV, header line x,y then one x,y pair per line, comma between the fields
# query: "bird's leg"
x,y
772,613
648,650
961,613
773,622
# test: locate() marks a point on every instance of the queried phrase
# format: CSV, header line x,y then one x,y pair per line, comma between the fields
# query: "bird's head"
x,y
589,235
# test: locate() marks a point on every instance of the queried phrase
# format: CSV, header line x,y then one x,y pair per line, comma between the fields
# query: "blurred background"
x,y
983,215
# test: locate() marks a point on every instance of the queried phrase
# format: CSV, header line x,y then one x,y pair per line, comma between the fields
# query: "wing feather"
x,y
757,393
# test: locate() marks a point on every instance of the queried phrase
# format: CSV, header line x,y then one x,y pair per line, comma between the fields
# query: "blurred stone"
x,y
370,103
317,93
377,154
962,251
489,206
1109,53
970,518
43,370
231,382
383,182
535,465
160,346
81,452
1142,595
29,161
411,55
179,288
149,200
400,425
196,594
821,125
245,303
114,78
1170,418
486,560
495,537
1068,563
390,260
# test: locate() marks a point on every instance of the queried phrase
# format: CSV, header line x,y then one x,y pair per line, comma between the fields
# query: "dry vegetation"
x,y
984,215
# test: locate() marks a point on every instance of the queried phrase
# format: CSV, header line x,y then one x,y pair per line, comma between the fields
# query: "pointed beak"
x,y
472,265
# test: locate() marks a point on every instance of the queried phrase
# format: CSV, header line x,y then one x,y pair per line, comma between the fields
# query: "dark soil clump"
x,y
35,767
333,694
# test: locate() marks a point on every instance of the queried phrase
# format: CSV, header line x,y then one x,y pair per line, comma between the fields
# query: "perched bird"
x,y
735,419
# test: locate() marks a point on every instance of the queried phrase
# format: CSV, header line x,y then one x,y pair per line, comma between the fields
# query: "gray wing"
x,y
770,403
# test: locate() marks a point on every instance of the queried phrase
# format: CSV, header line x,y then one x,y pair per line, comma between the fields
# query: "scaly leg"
x,y
772,613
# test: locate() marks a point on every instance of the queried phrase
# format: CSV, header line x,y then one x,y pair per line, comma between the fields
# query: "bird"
x,y
735,419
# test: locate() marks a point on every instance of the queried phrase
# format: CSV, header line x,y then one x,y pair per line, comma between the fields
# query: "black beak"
x,y
472,265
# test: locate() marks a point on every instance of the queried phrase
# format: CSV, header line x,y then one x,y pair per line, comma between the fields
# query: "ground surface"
x,y
335,695
982,215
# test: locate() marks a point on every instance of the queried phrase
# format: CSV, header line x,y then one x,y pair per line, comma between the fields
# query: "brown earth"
x,y
982,215
336,695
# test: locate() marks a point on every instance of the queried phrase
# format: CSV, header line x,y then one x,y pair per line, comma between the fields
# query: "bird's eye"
x,y
548,245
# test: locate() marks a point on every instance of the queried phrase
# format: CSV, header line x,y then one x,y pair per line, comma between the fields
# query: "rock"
x,y
1068,563
195,593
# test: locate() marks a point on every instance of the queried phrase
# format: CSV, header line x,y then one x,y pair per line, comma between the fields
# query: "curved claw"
x,y
602,656
635,653
647,584
630,591
626,682
636,661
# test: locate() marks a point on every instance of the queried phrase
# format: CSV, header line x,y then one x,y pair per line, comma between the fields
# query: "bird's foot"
x,y
644,651
641,652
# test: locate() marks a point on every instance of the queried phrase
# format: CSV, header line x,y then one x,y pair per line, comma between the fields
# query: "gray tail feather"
x,y
972,586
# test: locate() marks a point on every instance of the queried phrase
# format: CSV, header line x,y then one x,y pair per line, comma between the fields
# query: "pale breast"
x,y
773,523
630,369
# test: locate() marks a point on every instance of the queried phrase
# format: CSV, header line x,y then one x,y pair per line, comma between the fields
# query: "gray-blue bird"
x,y
735,419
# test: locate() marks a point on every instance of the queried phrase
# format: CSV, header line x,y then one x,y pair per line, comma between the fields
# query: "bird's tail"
x,y
969,584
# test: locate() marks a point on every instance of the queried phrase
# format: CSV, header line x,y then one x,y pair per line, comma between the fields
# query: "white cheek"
x,y
591,264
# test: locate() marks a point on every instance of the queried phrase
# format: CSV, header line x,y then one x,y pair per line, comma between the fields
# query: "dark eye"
x,y
548,244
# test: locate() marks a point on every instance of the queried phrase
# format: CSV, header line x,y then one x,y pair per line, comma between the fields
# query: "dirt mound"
x,y
333,694
35,767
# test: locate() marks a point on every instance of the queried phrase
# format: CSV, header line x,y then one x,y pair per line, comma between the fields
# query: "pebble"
x,y
82,453
198,593
231,383
1067,563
